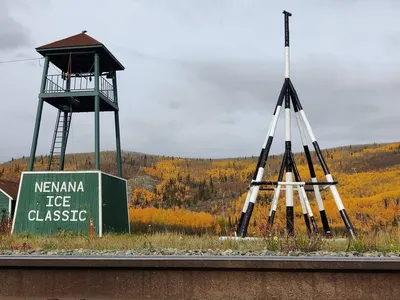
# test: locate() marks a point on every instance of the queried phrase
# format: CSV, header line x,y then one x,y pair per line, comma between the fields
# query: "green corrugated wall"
x,y
115,205
4,203
54,201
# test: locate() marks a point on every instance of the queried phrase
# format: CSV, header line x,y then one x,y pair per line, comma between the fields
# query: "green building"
x,y
8,197
49,201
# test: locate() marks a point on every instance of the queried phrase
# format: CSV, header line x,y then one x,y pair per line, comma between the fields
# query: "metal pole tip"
x,y
287,13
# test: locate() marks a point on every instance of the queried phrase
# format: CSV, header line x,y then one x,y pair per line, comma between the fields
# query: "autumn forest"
x,y
207,195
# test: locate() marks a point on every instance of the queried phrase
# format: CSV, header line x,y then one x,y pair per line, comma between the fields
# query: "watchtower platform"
x,y
74,90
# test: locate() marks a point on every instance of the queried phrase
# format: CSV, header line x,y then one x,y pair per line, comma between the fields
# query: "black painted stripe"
x,y
347,222
271,218
294,166
287,99
264,157
286,21
321,158
283,165
295,106
307,221
325,223
314,224
281,95
240,222
288,150
295,97
290,220
246,220
309,161
258,164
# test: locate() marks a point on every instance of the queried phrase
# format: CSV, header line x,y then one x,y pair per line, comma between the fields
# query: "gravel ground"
x,y
209,252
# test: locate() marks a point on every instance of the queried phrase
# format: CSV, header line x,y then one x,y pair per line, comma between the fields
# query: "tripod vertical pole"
x,y
288,142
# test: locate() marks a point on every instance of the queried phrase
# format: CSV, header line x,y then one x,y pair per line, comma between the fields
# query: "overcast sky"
x,y
202,77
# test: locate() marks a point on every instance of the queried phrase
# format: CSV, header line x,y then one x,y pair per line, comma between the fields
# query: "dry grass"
x,y
388,241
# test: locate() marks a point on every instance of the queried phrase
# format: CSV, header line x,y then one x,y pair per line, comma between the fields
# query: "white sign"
x,y
58,207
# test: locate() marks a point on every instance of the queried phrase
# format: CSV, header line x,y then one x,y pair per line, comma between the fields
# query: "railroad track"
x,y
200,277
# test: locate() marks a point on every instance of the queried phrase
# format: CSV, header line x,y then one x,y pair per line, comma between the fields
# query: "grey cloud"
x,y
13,35
202,78
336,98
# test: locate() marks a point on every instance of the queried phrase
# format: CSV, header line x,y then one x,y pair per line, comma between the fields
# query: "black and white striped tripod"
x,y
288,95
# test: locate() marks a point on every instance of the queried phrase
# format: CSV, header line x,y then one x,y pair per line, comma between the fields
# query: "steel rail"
x,y
283,263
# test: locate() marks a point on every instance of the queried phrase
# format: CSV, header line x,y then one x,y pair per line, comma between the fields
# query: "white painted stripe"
x,y
301,199
268,134
275,121
272,125
307,203
335,193
246,203
289,189
100,206
9,207
291,183
254,193
308,126
274,204
287,62
284,189
7,195
301,129
329,178
127,204
113,176
318,195
287,125
17,204
61,172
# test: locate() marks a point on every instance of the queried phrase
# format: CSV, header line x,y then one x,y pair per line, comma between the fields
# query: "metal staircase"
x,y
60,138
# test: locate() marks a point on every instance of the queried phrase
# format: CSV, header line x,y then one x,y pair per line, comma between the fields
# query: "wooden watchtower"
x,y
85,202
87,82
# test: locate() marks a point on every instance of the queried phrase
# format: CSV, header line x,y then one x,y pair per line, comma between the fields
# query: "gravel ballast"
x,y
177,252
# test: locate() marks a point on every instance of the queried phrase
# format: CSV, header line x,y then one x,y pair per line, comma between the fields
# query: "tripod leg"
x,y
259,172
313,176
304,210
303,193
245,206
277,191
274,206
329,178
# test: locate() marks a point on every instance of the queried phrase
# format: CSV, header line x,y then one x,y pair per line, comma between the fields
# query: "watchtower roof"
x,y
81,46
10,187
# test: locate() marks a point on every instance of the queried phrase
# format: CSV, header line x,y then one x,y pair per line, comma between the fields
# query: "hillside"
x,y
208,194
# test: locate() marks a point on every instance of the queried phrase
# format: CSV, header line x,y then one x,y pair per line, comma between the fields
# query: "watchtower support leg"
x,y
97,112
38,116
64,140
117,131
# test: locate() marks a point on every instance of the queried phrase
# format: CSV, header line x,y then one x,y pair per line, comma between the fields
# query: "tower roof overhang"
x,y
81,48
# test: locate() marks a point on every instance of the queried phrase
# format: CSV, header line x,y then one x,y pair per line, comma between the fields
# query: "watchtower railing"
x,y
106,88
78,83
